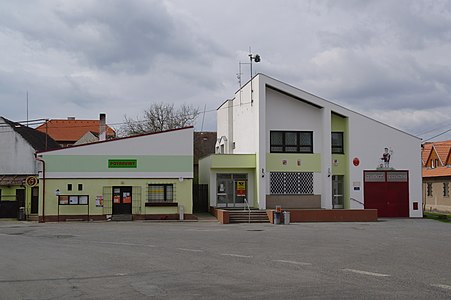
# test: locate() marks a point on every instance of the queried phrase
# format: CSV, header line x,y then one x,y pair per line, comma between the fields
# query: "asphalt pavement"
x,y
389,259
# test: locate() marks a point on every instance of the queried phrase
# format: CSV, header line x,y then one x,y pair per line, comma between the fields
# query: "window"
x,y
291,142
69,186
436,163
80,187
73,200
445,189
429,189
337,143
160,193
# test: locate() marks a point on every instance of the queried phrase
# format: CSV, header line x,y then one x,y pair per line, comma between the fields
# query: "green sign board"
x,y
122,163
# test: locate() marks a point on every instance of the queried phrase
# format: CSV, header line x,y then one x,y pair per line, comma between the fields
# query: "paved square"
x,y
390,259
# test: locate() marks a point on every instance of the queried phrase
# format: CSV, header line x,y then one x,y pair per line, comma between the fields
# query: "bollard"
x,y
181,213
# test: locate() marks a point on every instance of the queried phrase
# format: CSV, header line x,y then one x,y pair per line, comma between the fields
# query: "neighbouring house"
x,y
147,176
278,145
71,131
204,145
18,168
436,158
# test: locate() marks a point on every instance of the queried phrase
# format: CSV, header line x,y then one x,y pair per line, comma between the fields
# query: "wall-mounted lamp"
x,y
263,173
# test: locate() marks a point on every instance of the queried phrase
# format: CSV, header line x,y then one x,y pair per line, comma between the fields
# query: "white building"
x,y
280,145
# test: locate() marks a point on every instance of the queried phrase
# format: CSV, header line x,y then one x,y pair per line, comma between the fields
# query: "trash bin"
x,y
276,217
21,216
286,217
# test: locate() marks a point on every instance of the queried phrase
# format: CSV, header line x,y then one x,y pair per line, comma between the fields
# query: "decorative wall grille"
x,y
291,183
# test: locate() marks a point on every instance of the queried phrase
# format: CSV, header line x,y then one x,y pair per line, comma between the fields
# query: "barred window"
x,y
160,193
429,189
291,142
445,189
293,183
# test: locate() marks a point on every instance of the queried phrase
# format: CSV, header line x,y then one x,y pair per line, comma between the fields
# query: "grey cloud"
x,y
121,36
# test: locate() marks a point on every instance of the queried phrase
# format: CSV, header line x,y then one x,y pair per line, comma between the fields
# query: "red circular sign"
x,y
356,161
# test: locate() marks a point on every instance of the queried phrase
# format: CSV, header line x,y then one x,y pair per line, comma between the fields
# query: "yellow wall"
x,y
8,193
95,187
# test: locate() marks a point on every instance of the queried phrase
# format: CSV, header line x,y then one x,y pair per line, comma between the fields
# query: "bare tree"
x,y
160,117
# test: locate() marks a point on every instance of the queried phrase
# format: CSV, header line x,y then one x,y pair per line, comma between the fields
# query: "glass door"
x,y
231,190
337,191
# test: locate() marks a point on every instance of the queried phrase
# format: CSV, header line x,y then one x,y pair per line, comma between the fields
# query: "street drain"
x,y
254,230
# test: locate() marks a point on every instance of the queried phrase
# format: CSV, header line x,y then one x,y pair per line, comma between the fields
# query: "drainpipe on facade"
x,y
43,188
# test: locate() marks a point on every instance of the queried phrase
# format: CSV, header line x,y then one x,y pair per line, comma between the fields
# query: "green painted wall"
x,y
340,124
99,163
308,162
233,161
94,188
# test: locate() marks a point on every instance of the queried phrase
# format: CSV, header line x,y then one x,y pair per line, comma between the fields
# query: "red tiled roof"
x,y
437,172
71,130
425,152
442,150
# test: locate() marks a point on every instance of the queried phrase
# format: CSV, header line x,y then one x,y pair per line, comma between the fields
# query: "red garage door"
x,y
388,192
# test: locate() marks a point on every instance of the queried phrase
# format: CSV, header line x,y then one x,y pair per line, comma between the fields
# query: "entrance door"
x,y
337,191
388,192
122,200
34,200
231,190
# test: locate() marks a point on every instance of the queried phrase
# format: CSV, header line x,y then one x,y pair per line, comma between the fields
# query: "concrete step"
x,y
256,216
121,218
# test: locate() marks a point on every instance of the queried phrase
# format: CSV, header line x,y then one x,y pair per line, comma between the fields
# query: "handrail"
x,y
357,201
249,209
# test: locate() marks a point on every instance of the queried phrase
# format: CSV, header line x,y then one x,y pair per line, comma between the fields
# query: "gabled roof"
x,y
425,152
38,140
442,149
72,130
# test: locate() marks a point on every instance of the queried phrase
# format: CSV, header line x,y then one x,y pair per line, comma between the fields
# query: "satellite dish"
x,y
257,58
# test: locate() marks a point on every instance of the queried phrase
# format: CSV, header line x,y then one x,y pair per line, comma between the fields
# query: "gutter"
x,y
43,188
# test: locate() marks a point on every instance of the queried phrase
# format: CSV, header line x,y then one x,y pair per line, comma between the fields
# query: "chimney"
x,y
102,127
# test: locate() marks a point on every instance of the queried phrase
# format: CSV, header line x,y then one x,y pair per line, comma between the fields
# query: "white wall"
x,y
16,155
368,138
174,142
225,125
287,113
246,120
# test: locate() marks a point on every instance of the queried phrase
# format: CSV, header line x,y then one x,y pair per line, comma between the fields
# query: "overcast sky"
x,y
390,60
